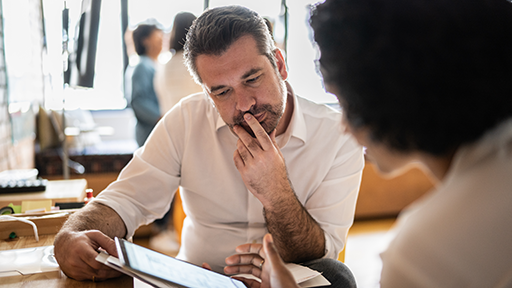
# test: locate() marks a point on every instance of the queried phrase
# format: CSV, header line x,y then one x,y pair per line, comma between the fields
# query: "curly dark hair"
x,y
216,29
140,34
425,75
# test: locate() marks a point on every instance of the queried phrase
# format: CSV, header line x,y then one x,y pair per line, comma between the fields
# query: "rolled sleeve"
x,y
145,188
333,203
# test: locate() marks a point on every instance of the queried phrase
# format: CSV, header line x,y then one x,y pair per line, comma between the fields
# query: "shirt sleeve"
x,y
333,203
145,188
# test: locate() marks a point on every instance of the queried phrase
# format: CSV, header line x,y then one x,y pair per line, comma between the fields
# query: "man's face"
x,y
241,80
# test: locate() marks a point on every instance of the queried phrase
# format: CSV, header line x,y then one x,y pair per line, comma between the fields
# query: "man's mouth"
x,y
260,117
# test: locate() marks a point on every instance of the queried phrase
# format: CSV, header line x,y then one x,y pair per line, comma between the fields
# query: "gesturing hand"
x,y
260,162
248,260
262,261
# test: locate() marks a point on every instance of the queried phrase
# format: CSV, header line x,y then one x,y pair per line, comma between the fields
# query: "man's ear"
x,y
281,65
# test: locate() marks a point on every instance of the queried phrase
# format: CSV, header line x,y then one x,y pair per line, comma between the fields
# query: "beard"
x,y
272,113
272,116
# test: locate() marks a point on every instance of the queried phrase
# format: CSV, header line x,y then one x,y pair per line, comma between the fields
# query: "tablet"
x,y
169,269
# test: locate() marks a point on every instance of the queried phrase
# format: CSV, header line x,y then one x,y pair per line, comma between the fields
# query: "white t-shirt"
x,y
461,234
192,147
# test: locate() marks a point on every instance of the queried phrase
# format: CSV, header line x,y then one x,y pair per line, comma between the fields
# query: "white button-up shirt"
x,y
193,148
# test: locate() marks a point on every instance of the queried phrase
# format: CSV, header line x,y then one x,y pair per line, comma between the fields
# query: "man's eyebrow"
x,y
251,72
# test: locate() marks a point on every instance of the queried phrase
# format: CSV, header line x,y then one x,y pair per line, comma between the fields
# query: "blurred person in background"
x,y
173,82
147,39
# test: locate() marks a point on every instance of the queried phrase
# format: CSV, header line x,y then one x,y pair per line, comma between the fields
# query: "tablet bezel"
x,y
125,261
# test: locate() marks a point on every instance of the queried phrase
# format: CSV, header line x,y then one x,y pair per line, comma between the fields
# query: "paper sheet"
x,y
307,277
303,275
27,261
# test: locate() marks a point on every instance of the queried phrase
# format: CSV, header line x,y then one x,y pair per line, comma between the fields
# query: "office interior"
x,y
71,131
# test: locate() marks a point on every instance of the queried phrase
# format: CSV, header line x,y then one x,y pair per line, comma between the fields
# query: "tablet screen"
x,y
170,269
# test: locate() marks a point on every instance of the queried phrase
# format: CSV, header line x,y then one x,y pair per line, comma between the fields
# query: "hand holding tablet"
x,y
161,270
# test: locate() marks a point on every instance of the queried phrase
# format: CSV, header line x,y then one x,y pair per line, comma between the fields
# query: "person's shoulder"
x,y
194,109
177,58
143,66
194,104
195,99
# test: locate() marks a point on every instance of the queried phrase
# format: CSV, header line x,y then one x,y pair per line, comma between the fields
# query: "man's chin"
x,y
249,130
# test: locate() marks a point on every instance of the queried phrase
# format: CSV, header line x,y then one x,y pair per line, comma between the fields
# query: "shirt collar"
x,y
296,127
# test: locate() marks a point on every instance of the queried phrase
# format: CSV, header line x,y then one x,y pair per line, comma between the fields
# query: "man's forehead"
x,y
229,68
244,47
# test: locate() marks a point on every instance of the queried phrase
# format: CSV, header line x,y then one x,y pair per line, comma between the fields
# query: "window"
x,y
108,84
300,51
108,81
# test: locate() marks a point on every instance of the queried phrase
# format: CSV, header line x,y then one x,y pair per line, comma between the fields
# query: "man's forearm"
x,y
95,216
296,234
263,169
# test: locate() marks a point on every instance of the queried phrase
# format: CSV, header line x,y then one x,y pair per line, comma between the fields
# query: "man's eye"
x,y
222,93
253,79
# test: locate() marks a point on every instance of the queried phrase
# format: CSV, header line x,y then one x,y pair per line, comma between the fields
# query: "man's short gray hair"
x,y
217,28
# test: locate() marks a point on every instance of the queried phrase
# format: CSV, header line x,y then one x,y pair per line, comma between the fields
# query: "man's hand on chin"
x,y
260,162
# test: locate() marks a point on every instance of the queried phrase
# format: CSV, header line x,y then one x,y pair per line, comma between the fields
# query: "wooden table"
x,y
54,278
58,279
57,191
48,225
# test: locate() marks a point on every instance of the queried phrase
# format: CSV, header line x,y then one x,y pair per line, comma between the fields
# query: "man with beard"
x,y
260,159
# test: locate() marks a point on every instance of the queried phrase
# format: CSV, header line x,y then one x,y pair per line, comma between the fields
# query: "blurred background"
x,y
70,57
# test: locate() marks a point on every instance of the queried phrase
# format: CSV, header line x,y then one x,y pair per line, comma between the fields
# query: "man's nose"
x,y
245,101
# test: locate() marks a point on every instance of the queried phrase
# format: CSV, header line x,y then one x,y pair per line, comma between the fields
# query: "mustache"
x,y
239,119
